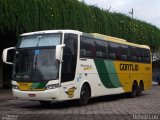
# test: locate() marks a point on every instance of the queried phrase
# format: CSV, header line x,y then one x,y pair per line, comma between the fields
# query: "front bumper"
x,y
46,95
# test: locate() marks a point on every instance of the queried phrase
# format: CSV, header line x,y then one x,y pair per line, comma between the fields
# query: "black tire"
x,y
84,96
141,87
158,83
45,103
135,90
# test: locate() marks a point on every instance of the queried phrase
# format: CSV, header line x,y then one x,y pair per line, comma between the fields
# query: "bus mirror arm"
x,y
59,52
5,54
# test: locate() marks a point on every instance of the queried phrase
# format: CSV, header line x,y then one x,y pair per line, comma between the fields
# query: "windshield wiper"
x,y
35,64
39,38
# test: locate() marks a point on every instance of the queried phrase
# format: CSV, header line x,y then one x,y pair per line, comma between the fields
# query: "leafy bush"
x,y
32,15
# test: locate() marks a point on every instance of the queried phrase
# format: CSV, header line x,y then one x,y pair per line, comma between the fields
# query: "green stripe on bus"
x,y
112,73
103,73
35,85
42,85
107,73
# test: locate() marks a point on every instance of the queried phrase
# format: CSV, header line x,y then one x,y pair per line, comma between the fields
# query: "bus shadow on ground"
x,y
74,103
110,98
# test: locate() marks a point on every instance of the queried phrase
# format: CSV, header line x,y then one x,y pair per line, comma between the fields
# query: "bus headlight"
x,y
15,87
52,86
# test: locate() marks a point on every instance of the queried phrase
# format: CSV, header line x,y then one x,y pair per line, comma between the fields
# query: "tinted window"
x,y
100,49
147,57
136,54
133,51
69,57
139,54
87,48
114,52
123,52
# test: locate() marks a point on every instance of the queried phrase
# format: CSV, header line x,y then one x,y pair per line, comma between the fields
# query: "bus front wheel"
x,y
84,95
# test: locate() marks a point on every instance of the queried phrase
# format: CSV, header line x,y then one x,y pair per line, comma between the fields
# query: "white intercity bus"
x,y
58,65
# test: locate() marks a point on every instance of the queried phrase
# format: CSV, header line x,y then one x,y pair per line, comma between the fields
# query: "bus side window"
x,y
83,52
69,57
124,52
114,52
146,56
139,55
133,51
112,56
87,48
100,49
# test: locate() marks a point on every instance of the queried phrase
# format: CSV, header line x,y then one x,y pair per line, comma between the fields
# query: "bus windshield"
x,y
39,40
35,59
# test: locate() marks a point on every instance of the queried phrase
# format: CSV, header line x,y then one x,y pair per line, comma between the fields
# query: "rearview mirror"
x,y
59,52
5,54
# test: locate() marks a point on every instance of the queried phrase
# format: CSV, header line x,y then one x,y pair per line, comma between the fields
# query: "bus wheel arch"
x,y
85,94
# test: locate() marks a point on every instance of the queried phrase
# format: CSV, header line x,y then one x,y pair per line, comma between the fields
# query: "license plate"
x,y
32,95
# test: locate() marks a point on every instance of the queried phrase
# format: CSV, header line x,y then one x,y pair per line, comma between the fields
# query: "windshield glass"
x,y
35,58
39,40
35,65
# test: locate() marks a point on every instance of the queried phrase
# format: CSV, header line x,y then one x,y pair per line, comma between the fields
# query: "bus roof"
x,y
51,31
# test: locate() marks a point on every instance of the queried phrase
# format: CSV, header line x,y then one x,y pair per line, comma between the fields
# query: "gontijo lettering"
x,y
129,67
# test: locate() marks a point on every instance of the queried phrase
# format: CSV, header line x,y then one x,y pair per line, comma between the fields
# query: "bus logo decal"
x,y
70,92
87,67
129,67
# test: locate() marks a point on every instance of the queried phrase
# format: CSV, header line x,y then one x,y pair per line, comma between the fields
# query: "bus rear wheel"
x,y
84,96
141,87
135,90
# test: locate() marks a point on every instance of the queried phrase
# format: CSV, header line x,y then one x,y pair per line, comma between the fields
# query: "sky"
x,y
145,10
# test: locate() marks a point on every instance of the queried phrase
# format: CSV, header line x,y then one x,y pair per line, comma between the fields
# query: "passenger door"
x,y
69,89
